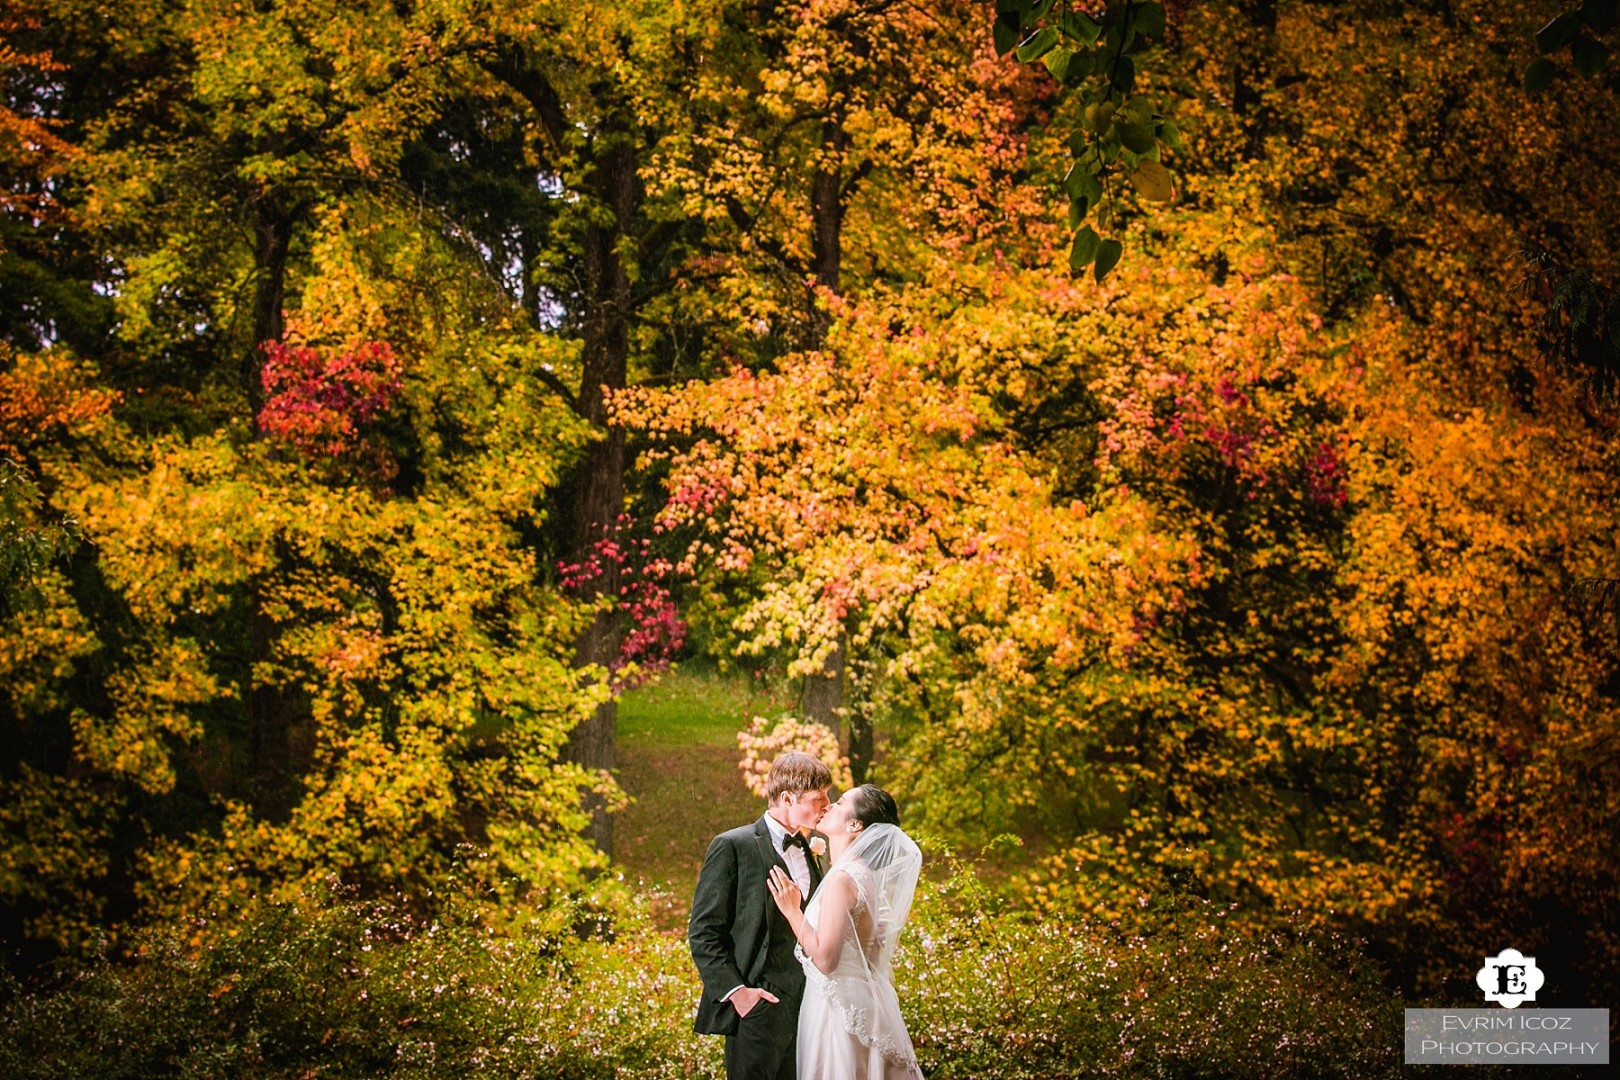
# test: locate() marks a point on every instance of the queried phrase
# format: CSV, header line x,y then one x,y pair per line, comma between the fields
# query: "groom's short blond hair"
x,y
795,773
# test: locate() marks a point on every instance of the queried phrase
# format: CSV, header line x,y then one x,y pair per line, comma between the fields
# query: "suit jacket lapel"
x,y
766,912
767,850
769,856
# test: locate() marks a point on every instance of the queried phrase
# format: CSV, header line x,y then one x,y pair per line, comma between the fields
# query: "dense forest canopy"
x,y
385,386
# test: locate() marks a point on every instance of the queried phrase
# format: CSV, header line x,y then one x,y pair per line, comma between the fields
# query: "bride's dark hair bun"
x,y
874,806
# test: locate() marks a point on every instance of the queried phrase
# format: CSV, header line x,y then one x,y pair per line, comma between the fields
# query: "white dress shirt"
x,y
798,867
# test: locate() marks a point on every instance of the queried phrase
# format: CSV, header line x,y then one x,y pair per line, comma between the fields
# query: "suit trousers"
x,y
766,1044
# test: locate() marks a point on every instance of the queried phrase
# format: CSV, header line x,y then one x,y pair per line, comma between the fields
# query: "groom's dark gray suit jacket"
x,y
737,936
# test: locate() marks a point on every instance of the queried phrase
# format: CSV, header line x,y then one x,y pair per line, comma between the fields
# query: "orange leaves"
x,y
848,466
821,447
43,397
876,494
29,144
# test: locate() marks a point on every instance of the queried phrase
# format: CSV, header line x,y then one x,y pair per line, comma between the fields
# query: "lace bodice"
x,y
859,990
869,930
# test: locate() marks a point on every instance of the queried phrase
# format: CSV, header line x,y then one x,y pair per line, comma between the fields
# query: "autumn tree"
x,y
1248,573
1251,571
311,633
851,170
31,158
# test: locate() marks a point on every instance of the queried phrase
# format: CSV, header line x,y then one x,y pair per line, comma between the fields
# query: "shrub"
x,y
335,988
997,994
764,740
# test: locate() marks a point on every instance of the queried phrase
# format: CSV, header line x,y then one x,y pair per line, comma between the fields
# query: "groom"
x,y
743,947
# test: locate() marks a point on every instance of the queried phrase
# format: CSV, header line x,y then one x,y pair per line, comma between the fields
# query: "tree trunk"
x,y
273,239
598,488
1253,74
827,208
822,697
272,784
595,494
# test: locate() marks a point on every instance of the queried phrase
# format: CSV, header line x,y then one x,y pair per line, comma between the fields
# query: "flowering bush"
x,y
333,987
763,741
992,992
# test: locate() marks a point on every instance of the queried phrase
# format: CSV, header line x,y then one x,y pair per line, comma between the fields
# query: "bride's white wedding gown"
x,y
850,1026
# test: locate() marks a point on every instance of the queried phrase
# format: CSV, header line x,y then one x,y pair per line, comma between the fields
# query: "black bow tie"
x,y
794,839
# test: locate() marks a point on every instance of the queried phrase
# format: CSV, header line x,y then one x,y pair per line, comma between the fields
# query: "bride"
x,y
850,1026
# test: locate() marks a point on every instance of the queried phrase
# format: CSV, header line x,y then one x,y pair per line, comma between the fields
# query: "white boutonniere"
x,y
818,846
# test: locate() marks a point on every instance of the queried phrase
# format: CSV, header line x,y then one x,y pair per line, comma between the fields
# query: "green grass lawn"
x,y
678,754
677,747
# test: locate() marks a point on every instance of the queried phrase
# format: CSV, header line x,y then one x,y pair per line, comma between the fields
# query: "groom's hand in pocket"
x,y
748,997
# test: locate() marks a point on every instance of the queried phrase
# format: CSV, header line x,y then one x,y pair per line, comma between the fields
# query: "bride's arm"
x,y
822,943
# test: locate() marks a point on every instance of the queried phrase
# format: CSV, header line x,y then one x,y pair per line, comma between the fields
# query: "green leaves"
x,y
1081,27
1085,191
1171,136
1090,249
1138,138
1539,74
1108,256
1149,21
1152,181
1005,33
1100,116
1083,183
1084,251
1122,134
1122,76
27,544
1600,15
1577,30
1590,55
1038,44
1558,33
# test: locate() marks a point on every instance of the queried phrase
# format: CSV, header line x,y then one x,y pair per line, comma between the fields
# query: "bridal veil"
x,y
884,864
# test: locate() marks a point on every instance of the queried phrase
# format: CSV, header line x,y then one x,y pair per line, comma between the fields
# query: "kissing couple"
x,y
795,952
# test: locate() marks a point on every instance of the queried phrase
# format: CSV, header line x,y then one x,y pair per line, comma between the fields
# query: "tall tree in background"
x,y
312,633
853,168
1250,573
32,160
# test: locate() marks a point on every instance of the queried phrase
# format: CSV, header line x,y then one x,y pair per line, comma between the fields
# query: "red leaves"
x,y
1325,476
656,632
321,404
